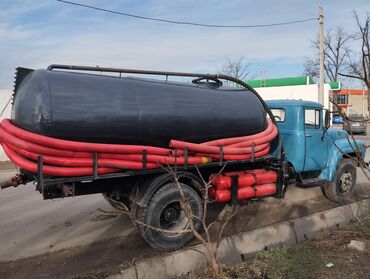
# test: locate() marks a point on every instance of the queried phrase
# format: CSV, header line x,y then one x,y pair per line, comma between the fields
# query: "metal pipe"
x,y
6,184
11,182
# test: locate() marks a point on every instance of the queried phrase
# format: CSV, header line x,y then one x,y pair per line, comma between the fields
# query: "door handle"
x,y
308,136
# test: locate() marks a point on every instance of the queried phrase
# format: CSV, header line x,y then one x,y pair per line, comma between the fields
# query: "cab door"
x,y
316,146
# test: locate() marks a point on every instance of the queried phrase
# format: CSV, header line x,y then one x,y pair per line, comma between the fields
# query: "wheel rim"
x,y
173,218
345,182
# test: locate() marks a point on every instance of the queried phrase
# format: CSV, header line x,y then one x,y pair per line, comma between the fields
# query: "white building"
x,y
5,112
293,88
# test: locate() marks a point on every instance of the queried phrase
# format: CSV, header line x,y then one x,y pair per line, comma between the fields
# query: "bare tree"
x,y
359,65
237,68
336,55
311,67
212,232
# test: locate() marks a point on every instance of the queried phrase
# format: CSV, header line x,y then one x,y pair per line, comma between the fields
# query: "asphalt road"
x,y
30,226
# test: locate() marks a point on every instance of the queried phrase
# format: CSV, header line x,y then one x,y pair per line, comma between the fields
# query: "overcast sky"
x,y
36,33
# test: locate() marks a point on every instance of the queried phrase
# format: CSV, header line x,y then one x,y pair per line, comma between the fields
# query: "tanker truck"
x,y
78,130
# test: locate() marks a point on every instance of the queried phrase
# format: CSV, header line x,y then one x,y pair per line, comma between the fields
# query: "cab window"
x,y
279,114
312,118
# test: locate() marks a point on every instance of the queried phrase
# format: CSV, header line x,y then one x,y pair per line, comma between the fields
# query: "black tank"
x,y
105,109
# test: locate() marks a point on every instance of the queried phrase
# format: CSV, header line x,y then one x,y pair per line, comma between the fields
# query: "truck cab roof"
x,y
292,103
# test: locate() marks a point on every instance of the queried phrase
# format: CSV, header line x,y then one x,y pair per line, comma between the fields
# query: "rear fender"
x,y
146,188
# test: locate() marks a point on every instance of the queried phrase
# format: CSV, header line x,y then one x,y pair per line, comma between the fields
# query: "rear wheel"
x,y
165,213
342,185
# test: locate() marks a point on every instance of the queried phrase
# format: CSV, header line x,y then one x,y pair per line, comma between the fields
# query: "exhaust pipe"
x,y
14,181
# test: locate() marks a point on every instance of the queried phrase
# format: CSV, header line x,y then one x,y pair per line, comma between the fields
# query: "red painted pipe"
x,y
267,177
224,182
247,192
262,176
212,192
245,179
256,171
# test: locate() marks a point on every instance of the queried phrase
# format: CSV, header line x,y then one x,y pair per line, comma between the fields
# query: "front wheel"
x,y
166,218
343,183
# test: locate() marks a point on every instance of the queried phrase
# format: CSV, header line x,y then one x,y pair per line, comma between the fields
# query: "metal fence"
x,y
5,111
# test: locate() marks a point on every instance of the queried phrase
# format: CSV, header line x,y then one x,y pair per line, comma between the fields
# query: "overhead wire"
x,y
186,22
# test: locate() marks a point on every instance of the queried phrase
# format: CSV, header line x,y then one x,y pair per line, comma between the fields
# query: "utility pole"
x,y
363,101
321,85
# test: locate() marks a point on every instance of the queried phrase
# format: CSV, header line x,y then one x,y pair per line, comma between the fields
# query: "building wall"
x,y
5,96
358,104
308,92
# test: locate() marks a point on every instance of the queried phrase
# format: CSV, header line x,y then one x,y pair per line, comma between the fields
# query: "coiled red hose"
x,y
72,158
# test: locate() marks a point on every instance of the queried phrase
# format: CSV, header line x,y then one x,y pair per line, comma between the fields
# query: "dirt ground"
x,y
108,257
99,259
105,257
310,258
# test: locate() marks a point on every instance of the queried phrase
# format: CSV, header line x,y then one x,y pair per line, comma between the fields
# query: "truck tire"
x,y
164,212
344,180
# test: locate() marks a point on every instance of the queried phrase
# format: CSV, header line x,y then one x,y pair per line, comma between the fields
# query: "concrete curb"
x,y
235,248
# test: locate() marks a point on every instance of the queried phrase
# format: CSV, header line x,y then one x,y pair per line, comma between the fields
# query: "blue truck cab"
x,y
316,154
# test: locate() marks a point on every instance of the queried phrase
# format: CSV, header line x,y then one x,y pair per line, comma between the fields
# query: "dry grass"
x,y
309,259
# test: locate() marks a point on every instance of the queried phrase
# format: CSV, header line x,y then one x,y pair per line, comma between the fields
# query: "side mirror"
x,y
327,119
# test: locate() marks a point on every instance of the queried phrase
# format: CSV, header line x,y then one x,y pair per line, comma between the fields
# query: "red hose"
x,y
51,170
245,142
261,153
84,162
78,146
231,141
72,158
8,138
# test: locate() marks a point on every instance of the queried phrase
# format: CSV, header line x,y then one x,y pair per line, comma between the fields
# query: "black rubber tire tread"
x,y
331,190
144,214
